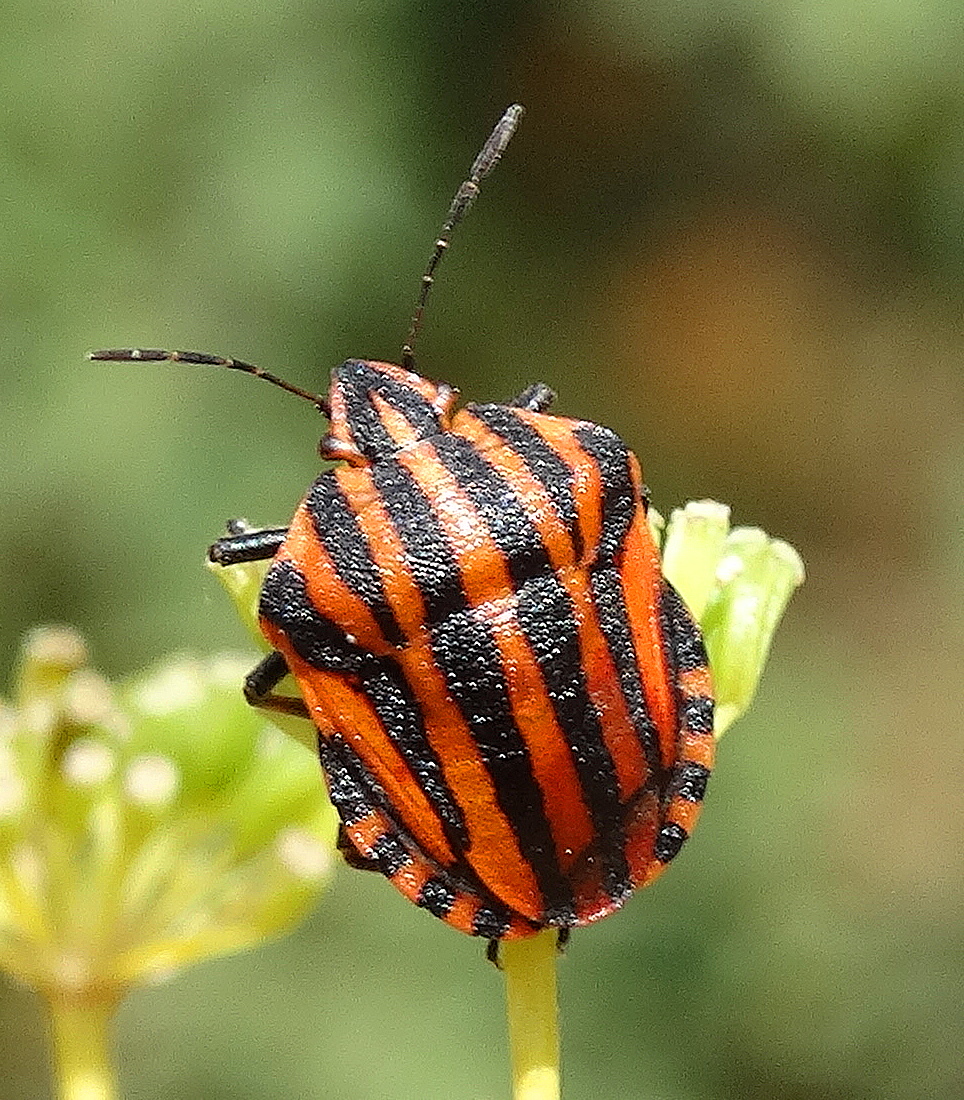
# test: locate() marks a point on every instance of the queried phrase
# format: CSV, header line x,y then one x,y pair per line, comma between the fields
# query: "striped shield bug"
x,y
514,710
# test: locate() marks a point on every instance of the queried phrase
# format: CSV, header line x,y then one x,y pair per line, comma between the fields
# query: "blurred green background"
x,y
732,231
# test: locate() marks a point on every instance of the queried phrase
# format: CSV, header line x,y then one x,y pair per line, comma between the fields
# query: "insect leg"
x,y
243,545
263,678
535,398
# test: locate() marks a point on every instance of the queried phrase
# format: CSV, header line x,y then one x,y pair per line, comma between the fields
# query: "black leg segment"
x,y
259,687
243,545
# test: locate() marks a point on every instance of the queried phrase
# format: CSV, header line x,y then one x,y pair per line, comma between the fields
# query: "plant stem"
x,y
81,1055
529,966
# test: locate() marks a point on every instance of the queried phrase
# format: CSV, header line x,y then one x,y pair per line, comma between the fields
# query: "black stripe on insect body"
x,y
498,504
546,617
389,854
697,714
669,840
336,527
358,381
431,563
492,922
541,610
610,603
541,460
610,454
465,652
356,797
316,639
439,894
437,897
324,645
685,652
685,648
689,781
399,713
348,794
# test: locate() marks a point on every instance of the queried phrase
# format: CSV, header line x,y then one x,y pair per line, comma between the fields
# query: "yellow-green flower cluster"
x,y
147,825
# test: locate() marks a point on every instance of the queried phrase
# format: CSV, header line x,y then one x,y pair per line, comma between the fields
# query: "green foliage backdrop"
x,y
733,232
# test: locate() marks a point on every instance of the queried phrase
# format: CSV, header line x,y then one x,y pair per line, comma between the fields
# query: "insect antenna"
x,y
488,158
155,355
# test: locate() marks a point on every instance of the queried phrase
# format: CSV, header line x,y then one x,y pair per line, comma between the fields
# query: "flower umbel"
x,y
145,826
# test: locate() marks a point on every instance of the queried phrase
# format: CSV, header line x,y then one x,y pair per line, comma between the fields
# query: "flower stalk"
x,y
83,1069
529,966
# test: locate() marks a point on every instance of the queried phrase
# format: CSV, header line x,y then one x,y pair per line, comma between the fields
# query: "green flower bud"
x,y
147,825
243,583
737,584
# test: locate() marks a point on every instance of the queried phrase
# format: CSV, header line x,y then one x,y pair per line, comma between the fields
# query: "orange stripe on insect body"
x,y
325,586
641,582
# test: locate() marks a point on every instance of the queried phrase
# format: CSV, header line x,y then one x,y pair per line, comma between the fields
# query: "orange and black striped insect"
x,y
514,709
